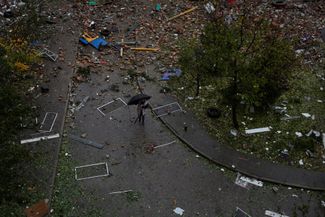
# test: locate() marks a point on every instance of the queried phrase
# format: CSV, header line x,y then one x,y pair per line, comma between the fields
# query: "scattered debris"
x,y
46,52
167,109
274,214
209,7
163,145
285,152
301,162
111,106
234,132
82,103
170,73
48,122
322,202
306,115
96,42
313,133
42,138
144,49
258,130
92,168
120,192
299,134
243,181
158,7
240,213
275,189
288,117
252,181
183,13
39,209
240,182
86,141
279,109
178,211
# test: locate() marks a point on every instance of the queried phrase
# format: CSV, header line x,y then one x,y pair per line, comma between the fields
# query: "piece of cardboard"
x,y
39,209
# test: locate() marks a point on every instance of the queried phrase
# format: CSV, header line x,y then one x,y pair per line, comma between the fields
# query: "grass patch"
x,y
68,195
133,196
301,98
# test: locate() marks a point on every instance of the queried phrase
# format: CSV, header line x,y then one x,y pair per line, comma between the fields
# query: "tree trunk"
x,y
234,115
234,101
198,79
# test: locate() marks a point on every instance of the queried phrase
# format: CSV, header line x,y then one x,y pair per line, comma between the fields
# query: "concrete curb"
x,y
57,153
207,156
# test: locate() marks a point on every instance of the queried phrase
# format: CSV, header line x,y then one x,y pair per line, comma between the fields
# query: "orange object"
x,y
39,209
88,38
183,13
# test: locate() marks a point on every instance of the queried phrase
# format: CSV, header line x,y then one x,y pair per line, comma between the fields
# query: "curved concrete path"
x,y
199,140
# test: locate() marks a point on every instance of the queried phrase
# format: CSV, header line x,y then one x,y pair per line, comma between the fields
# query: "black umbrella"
x,y
138,98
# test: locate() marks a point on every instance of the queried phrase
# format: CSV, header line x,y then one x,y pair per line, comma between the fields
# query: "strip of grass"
x,y
67,194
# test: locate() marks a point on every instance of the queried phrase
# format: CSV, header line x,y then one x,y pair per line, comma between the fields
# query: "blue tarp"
x,y
98,42
171,72
83,41
95,43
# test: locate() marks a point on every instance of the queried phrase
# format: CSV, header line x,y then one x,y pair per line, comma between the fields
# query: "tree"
x,y
251,55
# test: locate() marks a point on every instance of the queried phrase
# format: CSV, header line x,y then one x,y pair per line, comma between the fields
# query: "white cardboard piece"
x,y
178,211
258,130
274,214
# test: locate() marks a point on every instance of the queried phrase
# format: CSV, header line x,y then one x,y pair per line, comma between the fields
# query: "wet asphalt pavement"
x,y
169,177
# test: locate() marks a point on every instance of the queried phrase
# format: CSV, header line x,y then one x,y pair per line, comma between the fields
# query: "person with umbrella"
x,y
141,111
141,101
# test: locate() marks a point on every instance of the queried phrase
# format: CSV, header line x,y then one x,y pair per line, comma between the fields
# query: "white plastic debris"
x,y
258,130
299,51
233,132
190,97
313,132
301,162
209,7
285,151
42,138
252,181
306,115
178,211
322,203
274,214
298,134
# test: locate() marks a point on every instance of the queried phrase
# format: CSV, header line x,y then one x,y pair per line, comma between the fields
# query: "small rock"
x,y
44,88
275,189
